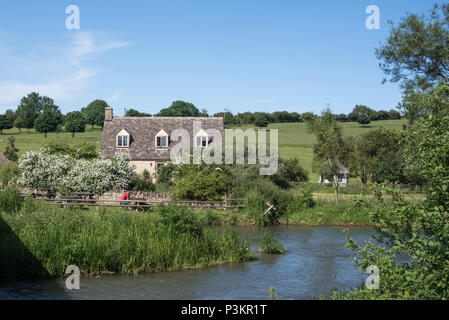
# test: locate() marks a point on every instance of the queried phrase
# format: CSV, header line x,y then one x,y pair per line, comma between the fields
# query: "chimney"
x,y
107,114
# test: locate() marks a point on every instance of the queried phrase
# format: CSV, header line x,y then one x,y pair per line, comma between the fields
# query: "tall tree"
x,y
48,121
31,106
330,146
4,123
180,109
416,54
75,122
135,113
94,112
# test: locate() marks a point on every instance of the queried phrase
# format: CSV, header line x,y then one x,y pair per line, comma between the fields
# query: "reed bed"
x,y
110,241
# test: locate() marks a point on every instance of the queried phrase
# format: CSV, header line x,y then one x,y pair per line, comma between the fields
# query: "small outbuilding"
x,y
342,175
3,159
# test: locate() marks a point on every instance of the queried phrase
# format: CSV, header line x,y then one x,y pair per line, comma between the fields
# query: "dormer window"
x,y
202,139
161,139
123,139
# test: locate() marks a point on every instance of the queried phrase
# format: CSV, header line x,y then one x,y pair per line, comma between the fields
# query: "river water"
x,y
315,262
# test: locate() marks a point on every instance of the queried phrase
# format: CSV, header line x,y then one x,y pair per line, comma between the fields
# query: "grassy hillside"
x,y
293,139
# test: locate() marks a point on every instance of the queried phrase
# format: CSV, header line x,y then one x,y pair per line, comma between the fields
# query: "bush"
x,y
201,183
142,184
269,245
306,198
291,170
10,200
51,172
265,191
83,150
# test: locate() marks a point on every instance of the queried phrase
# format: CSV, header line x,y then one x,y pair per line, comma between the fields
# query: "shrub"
x,y
306,198
201,183
265,191
10,200
51,172
269,245
142,183
291,170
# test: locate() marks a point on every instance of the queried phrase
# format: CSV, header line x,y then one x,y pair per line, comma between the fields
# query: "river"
x,y
315,262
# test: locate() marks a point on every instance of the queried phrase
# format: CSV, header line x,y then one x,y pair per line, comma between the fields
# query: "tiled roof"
x,y
3,159
143,130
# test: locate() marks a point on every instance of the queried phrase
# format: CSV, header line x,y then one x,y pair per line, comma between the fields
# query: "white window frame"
x,y
203,138
160,135
122,135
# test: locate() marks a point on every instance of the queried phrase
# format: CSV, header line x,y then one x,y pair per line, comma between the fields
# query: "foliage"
x,y
9,172
74,122
415,54
363,119
209,217
261,121
94,113
412,237
181,109
5,123
292,171
273,295
11,150
10,200
30,107
201,182
135,113
265,191
269,245
48,239
143,183
330,146
82,150
48,121
179,218
51,172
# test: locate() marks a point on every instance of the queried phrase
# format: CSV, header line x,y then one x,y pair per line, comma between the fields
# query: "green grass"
x,y
44,240
346,212
294,141
269,245
33,141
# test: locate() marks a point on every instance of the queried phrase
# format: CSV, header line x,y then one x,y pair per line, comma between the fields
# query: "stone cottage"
x,y
147,140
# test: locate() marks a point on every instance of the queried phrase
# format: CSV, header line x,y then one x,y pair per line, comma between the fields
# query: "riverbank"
x,y
41,242
348,212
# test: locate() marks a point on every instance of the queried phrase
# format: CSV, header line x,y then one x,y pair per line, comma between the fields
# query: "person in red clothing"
x,y
124,196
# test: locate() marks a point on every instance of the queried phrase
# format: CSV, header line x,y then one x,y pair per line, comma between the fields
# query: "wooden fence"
x,y
143,204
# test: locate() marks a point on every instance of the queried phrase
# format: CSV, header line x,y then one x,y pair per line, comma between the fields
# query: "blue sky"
x,y
243,55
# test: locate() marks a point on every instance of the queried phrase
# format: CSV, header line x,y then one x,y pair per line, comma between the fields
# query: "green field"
x,y
293,139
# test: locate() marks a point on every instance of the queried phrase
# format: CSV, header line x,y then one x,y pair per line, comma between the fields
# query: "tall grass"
x,y
118,241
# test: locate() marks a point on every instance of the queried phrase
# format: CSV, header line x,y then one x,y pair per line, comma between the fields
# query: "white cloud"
x,y
61,73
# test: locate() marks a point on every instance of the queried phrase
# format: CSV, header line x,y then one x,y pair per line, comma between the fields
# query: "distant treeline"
x,y
41,113
284,116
